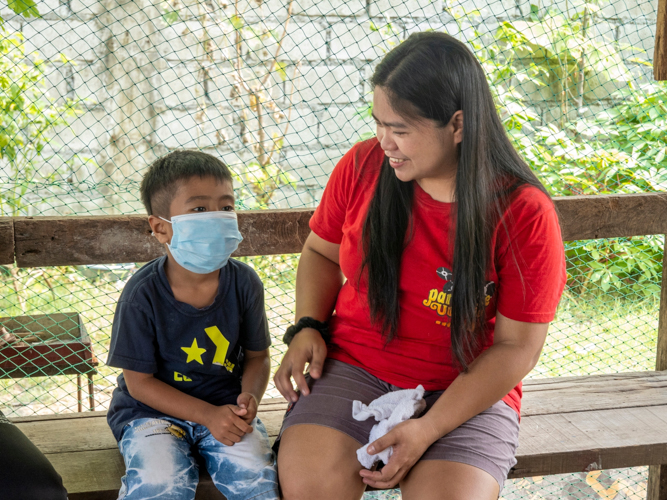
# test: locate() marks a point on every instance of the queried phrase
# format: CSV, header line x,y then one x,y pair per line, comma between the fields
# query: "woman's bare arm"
x,y
318,281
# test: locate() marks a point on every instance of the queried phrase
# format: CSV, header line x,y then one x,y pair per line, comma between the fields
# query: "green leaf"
x,y
25,8
170,17
280,69
237,22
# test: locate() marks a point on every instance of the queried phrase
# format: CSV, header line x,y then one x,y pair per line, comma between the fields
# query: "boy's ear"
x,y
161,229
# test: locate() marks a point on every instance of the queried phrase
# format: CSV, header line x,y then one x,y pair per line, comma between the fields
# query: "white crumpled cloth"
x,y
389,411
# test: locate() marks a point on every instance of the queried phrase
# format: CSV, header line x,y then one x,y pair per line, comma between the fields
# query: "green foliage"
x,y
25,8
28,119
627,266
636,128
618,150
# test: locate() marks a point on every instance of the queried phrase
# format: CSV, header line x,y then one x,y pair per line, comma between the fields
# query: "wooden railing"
x,y
75,240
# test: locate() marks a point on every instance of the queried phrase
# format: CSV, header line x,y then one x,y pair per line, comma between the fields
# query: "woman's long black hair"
x,y
433,75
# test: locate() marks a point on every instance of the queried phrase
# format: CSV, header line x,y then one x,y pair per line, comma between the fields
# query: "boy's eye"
x,y
199,209
228,208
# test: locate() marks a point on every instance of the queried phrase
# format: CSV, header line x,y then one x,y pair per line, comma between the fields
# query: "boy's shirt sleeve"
x,y
254,325
132,340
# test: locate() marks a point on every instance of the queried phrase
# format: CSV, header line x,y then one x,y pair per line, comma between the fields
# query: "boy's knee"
x,y
158,459
151,474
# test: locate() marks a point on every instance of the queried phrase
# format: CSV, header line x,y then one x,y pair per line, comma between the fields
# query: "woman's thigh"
x,y
471,462
319,462
158,460
444,480
318,444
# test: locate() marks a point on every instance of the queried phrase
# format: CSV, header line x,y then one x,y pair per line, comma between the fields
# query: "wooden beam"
x,y
656,488
59,241
660,51
612,216
56,241
6,241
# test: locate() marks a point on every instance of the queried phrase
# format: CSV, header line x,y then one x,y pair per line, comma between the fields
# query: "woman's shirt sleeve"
x,y
530,259
329,217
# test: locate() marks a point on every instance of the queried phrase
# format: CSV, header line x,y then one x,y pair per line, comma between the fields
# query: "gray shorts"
x,y
487,441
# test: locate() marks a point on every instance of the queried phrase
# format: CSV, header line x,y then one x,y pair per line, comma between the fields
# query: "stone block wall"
x,y
149,83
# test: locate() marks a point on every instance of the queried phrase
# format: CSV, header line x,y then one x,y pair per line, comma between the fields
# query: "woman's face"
x,y
418,149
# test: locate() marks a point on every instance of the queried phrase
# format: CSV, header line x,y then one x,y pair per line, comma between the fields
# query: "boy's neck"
x,y
198,290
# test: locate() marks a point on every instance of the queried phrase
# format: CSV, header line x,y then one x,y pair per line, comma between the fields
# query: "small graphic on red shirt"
x,y
440,300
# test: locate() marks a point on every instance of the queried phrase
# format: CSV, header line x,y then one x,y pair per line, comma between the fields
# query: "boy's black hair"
x,y
159,185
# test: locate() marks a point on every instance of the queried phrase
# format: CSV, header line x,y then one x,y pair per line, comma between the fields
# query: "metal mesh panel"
x,y
92,92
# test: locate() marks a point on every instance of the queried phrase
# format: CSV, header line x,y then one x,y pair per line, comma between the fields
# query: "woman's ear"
x,y
161,229
457,123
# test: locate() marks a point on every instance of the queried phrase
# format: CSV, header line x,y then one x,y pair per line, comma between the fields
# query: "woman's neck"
x,y
440,189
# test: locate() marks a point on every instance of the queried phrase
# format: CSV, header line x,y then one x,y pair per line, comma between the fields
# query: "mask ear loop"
x,y
152,233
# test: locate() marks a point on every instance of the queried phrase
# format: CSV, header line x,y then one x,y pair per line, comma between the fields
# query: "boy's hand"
x,y
227,425
248,402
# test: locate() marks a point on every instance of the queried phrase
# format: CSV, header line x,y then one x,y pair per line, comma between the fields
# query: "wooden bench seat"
x,y
569,424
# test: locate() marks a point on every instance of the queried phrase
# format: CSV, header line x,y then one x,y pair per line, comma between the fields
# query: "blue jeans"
x,y
159,461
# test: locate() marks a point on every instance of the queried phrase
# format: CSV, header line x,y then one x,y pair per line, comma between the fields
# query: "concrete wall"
x,y
150,87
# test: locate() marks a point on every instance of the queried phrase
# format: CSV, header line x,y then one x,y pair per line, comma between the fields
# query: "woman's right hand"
x,y
307,346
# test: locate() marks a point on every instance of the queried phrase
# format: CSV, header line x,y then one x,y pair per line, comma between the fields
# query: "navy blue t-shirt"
x,y
197,351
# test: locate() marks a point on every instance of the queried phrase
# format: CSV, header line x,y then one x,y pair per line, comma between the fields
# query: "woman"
x,y
441,254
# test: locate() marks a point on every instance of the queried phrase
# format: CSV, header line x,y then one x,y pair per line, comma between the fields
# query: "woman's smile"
x,y
396,162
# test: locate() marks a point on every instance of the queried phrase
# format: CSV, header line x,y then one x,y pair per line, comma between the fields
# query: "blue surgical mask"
x,y
203,242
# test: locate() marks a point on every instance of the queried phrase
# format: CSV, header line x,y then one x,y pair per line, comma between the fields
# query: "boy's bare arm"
x,y
226,423
256,373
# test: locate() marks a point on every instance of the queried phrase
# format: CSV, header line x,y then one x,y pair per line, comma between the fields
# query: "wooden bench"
x,y
569,424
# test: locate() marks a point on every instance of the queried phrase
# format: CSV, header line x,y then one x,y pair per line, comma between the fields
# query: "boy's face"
x,y
195,195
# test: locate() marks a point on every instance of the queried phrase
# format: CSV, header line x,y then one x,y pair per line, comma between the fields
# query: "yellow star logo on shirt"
x,y
194,352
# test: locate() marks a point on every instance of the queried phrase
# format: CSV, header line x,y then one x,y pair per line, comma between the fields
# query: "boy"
x,y
191,335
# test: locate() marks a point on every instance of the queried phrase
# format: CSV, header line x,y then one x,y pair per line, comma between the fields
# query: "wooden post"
x,y
661,354
6,240
79,396
660,54
657,474
91,392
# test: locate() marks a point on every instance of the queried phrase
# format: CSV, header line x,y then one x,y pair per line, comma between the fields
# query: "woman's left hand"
x,y
410,440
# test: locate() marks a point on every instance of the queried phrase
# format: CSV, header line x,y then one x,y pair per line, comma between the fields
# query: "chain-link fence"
x,y
91,92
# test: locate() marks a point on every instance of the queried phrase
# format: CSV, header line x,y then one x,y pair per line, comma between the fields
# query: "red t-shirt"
x,y
421,351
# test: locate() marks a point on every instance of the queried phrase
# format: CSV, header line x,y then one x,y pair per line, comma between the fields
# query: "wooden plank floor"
x,y
569,424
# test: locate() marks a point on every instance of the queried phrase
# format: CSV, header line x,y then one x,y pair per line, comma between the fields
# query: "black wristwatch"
x,y
307,322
